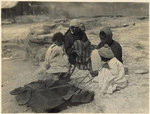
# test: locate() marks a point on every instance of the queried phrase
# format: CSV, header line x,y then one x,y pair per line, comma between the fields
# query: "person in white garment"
x,y
110,72
55,57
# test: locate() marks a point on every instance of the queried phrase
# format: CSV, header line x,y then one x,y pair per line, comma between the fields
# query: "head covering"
x,y
74,23
108,33
106,52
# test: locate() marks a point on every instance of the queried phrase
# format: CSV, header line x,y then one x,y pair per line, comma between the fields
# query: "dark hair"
x,y
58,37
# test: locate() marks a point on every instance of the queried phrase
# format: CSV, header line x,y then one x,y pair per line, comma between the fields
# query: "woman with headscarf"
x,y
106,38
76,43
106,63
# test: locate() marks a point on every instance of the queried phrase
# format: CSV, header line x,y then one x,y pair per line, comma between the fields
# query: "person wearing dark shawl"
x,y
76,43
107,41
107,67
106,38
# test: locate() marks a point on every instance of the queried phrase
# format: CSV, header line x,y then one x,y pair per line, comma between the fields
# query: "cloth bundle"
x,y
50,95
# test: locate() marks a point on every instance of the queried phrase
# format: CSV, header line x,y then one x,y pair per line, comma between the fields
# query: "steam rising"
x,y
76,9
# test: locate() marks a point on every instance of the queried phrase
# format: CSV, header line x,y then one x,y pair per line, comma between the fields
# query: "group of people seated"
x,y
104,61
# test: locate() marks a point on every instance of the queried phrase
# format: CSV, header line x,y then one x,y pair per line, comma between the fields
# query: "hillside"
x,y
131,32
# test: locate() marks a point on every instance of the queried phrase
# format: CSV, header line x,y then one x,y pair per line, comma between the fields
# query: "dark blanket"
x,y
51,96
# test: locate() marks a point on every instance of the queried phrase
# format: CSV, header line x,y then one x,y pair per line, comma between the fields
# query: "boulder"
x,y
41,32
40,56
125,25
35,43
140,71
39,39
50,26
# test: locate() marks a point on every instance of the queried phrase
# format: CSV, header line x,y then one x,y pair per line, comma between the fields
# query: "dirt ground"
x,y
134,98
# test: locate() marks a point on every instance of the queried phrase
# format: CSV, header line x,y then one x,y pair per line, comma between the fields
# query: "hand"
x,y
47,66
85,45
106,66
77,52
106,46
94,73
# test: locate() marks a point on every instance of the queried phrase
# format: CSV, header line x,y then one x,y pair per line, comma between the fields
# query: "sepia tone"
x,y
21,59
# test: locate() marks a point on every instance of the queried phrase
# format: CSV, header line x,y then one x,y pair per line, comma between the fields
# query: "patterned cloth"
x,y
83,58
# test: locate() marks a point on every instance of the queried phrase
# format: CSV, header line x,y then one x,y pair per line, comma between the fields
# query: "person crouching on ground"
x,y
76,42
106,38
55,55
107,64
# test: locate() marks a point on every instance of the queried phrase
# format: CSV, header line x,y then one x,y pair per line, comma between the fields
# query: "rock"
x,y
36,63
61,20
42,39
125,25
35,41
139,46
141,71
39,36
40,56
133,24
40,32
142,18
126,71
8,50
52,26
61,29
5,41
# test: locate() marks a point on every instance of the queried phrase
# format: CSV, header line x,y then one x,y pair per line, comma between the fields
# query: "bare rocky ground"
x,y
131,32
